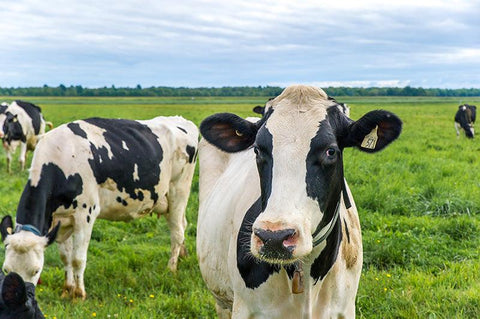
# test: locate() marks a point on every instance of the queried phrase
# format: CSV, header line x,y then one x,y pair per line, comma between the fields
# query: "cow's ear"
x,y
52,235
259,109
14,293
228,132
372,132
6,226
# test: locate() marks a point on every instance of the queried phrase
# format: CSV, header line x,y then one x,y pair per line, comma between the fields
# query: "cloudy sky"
x,y
427,43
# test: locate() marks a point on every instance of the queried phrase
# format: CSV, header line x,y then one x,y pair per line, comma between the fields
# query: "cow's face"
x,y
24,251
298,145
3,117
12,129
17,298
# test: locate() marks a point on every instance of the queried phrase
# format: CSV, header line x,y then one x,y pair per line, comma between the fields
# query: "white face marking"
x,y
124,146
292,126
24,254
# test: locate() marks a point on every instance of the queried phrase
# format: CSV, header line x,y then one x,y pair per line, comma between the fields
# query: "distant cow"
x,y
278,232
465,119
112,169
17,298
21,123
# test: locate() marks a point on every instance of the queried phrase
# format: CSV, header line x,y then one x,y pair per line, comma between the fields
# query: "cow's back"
x,y
125,166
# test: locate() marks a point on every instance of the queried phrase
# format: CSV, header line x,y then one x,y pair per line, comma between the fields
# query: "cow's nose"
x,y
277,244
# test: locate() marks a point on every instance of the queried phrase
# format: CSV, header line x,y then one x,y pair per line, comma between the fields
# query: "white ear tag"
x,y
370,140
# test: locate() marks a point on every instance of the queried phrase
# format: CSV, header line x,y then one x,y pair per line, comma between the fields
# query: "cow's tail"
x,y
49,124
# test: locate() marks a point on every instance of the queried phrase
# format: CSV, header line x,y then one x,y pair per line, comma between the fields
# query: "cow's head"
x,y
17,298
12,129
24,249
299,145
3,116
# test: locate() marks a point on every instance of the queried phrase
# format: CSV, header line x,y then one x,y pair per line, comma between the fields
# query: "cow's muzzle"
x,y
275,245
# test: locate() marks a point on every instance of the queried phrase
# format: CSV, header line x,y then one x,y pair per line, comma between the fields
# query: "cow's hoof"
x,y
172,265
183,251
67,292
79,294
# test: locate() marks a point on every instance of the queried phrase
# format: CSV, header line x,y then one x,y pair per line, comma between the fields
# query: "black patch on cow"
x,y
191,153
140,196
13,129
34,112
84,205
346,230
324,178
3,108
76,129
324,181
124,203
74,204
143,151
182,129
90,210
254,272
54,189
119,199
329,254
88,219
263,149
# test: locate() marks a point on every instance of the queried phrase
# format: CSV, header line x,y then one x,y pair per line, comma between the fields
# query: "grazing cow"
x,y
465,118
278,232
17,298
21,123
113,169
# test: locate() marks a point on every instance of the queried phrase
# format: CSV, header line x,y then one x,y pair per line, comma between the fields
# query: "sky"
x,y
393,43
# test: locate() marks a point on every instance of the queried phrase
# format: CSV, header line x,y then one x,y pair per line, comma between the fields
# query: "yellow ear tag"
x,y
9,230
15,120
238,133
370,140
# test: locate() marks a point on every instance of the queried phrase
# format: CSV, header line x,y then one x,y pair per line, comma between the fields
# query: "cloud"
x,y
216,43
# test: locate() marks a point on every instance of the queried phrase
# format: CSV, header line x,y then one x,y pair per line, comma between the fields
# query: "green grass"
x,y
418,200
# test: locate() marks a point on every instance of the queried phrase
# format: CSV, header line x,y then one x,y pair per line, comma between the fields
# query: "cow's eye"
x,y
331,152
255,149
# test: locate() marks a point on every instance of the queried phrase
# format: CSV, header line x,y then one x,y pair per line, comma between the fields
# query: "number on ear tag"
x,y
370,140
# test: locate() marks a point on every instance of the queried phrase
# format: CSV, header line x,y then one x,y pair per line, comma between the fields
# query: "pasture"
x,y
418,201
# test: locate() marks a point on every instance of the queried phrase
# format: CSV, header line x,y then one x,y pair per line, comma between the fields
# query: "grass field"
x,y
418,200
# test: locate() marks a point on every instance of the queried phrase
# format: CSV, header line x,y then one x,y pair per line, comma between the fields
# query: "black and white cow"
x,y
278,232
465,119
17,298
113,169
21,123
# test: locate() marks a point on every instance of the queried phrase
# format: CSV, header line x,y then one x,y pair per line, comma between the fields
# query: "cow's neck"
x,y
32,208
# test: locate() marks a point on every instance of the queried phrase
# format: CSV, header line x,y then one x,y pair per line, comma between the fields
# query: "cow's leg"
x,y
223,313
23,153
457,125
66,250
177,203
81,237
9,161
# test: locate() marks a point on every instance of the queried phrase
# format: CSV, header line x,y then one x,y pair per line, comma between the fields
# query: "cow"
x,y
465,119
278,234
114,169
17,298
21,123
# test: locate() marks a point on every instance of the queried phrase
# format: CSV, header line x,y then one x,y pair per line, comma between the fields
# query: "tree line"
x,y
269,91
